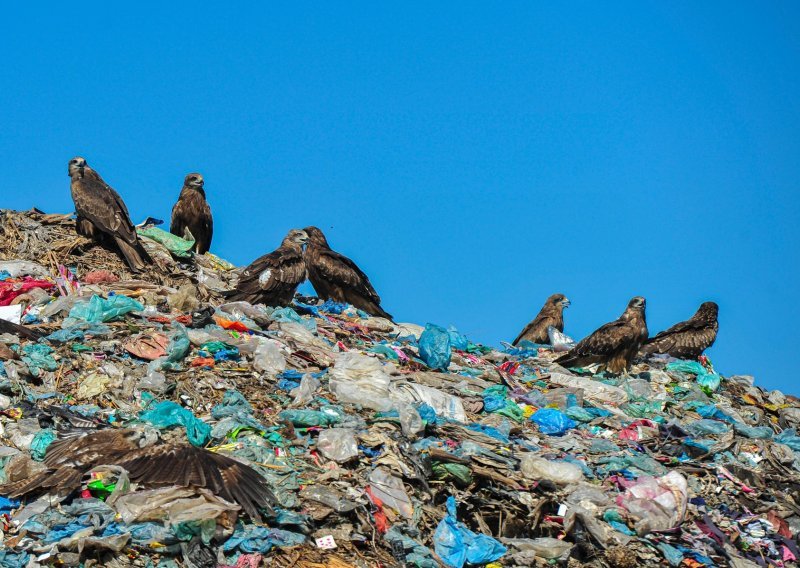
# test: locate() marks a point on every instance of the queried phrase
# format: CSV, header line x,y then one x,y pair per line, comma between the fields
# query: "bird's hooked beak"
x,y
565,303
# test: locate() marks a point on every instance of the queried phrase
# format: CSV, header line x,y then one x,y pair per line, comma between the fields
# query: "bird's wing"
x,y
100,204
177,224
340,270
276,270
188,466
533,326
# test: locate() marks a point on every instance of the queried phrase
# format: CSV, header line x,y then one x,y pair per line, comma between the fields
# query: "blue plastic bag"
x,y
457,341
101,310
252,538
167,414
552,421
457,545
434,347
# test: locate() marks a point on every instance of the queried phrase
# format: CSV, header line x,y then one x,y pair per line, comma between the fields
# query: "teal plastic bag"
x,y
177,349
434,347
38,358
305,418
40,443
168,414
457,545
102,310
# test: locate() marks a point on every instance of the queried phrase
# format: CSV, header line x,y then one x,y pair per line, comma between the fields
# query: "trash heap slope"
x,y
384,444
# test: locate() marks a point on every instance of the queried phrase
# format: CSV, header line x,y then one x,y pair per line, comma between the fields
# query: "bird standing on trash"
x,y
192,212
336,277
102,213
273,278
687,339
615,344
68,460
551,314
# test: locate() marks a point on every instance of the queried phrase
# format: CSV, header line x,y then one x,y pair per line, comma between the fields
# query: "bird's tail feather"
x,y
135,255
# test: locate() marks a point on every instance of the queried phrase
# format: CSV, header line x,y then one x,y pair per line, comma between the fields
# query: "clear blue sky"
x,y
472,159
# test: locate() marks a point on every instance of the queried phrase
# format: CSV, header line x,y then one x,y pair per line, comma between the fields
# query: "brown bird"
x,y
102,213
192,212
273,278
687,339
551,314
68,460
336,277
615,344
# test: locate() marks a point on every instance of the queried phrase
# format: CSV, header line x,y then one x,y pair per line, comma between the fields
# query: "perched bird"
x,y
102,213
687,339
336,277
273,278
68,460
551,314
192,212
613,345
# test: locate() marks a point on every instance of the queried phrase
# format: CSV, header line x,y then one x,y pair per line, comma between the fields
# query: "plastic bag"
x,y
544,547
329,497
338,444
593,391
552,421
40,443
38,358
92,385
456,545
177,349
101,310
560,472
706,427
444,405
167,414
560,341
390,490
359,379
304,393
269,358
657,503
457,340
756,432
306,418
434,347
174,244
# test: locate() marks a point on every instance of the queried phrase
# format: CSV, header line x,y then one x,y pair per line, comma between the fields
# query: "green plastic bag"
x,y
173,243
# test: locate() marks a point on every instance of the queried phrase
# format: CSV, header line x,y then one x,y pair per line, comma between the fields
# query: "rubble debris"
x,y
376,444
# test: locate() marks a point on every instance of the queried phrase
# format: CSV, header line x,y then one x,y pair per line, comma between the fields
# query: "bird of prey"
x,y
687,339
336,277
102,213
192,212
613,345
551,314
67,460
273,278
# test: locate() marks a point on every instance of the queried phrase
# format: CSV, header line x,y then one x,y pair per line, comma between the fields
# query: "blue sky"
x,y
472,160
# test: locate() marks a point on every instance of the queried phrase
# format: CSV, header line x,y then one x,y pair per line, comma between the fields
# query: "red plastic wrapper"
x,y
10,289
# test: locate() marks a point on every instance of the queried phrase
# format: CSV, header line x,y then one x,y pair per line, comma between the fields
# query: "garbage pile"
x,y
383,444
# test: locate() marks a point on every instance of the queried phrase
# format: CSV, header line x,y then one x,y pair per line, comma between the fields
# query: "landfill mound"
x,y
384,444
